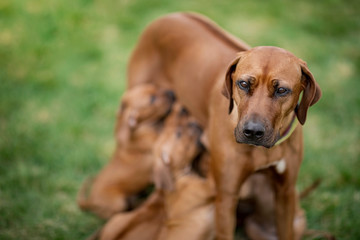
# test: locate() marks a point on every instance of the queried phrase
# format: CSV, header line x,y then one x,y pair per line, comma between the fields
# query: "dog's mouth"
x,y
267,140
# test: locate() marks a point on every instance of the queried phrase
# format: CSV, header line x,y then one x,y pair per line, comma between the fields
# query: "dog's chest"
x,y
265,158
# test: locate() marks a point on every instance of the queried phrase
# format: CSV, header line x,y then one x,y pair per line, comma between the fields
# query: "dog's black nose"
x,y
254,130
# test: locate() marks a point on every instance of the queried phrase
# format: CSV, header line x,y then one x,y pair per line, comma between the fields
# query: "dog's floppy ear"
x,y
163,177
228,84
311,94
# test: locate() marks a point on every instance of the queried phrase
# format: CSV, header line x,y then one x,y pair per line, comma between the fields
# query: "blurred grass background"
x,y
62,73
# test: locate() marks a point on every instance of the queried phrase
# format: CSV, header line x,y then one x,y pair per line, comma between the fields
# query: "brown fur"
x,y
182,53
143,223
138,124
180,204
189,198
260,224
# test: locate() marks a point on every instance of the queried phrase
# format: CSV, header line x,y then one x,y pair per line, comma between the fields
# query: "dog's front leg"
x,y
285,194
228,176
225,220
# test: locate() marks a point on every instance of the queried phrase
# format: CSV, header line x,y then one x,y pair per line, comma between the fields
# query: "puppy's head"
x,y
145,104
264,85
177,146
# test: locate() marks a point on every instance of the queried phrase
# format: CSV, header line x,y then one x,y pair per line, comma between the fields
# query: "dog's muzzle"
x,y
254,133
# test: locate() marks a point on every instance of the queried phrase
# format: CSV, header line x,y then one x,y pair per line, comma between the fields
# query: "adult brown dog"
x,y
246,100
138,125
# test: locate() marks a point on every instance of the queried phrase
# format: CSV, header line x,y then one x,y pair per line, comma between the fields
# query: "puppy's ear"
x,y
311,94
163,177
228,84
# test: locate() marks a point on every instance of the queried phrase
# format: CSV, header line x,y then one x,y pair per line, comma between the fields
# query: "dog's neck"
x,y
288,130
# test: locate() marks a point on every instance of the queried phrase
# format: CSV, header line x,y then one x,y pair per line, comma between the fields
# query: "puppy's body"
x,y
182,205
130,169
124,176
190,210
192,56
144,222
188,198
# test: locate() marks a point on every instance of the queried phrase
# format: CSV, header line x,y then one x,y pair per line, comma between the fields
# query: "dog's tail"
x,y
83,194
304,193
218,32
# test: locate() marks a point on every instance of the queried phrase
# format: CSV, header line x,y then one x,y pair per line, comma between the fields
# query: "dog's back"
x,y
169,54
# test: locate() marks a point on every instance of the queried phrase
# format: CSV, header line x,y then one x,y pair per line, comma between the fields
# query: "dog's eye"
x,y
243,85
281,91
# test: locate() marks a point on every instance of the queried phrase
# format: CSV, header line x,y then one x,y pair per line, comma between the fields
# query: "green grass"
x,y
62,73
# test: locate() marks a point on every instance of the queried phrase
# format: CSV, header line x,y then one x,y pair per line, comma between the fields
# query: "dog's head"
x,y
264,85
142,107
177,146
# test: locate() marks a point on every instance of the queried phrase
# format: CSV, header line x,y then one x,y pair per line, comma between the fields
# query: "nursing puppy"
x,y
188,197
180,194
139,122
